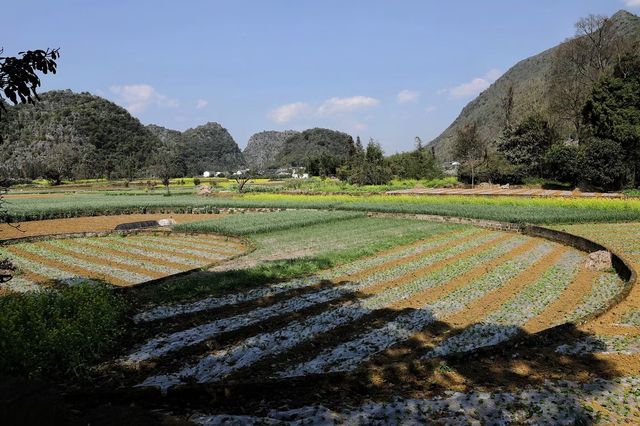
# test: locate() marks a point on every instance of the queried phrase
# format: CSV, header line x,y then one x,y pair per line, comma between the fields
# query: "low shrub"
x,y
54,334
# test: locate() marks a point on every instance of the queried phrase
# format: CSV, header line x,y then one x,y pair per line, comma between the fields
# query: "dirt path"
x,y
90,224
519,192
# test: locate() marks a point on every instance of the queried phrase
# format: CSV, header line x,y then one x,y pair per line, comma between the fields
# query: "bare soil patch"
x,y
90,224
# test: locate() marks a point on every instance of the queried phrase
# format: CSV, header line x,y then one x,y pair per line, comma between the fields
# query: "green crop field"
x,y
511,209
255,223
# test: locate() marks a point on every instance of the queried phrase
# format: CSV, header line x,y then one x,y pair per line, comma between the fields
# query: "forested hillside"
x,y
209,147
76,134
69,135
312,143
531,85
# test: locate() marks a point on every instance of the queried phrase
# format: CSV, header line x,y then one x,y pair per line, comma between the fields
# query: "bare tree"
x,y
600,45
579,63
470,149
569,86
507,106
242,180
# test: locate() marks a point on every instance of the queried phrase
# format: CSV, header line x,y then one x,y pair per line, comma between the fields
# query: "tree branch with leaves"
x,y
19,82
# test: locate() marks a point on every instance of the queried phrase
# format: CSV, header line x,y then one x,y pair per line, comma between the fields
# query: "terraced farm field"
x,y
447,294
117,259
410,312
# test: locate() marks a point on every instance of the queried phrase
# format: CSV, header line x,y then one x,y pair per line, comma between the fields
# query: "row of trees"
x,y
369,166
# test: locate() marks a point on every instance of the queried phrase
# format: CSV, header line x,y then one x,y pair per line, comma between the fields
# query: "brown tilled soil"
x,y
566,303
90,224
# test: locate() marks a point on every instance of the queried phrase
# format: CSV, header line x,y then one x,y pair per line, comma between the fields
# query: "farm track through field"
x,y
387,321
91,223
399,323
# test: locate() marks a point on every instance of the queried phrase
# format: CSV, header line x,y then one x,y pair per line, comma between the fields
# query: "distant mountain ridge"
x,y
86,136
94,137
529,78
314,143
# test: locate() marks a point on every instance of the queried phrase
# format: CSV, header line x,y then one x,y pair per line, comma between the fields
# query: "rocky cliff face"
x,y
263,148
530,81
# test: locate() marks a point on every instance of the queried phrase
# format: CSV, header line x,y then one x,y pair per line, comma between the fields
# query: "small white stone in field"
x,y
166,222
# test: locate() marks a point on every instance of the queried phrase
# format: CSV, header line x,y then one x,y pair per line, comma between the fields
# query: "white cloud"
x,y
201,103
405,96
332,106
475,86
430,109
342,105
360,126
288,112
632,3
138,97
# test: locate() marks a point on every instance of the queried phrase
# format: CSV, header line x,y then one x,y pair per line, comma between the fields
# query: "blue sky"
x,y
391,70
